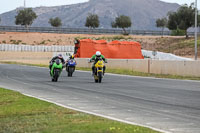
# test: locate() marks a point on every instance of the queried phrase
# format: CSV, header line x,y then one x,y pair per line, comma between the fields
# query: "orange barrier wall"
x,y
115,49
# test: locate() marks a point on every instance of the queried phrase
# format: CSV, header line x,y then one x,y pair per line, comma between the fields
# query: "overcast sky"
x,y
8,5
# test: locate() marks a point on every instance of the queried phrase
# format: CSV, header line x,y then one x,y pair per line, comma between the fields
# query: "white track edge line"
x,y
96,114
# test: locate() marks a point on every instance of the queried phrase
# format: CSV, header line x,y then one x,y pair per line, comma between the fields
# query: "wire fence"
x,y
79,30
83,30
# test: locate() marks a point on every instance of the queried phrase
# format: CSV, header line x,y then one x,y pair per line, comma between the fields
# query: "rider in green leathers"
x,y
95,58
56,65
53,65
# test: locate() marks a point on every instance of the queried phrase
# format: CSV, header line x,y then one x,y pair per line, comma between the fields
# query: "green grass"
x,y
20,114
170,45
19,63
108,38
185,43
119,71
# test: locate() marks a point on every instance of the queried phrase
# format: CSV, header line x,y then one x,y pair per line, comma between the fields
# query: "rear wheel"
x,y
72,70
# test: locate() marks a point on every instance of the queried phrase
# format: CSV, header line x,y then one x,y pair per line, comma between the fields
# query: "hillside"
x,y
142,12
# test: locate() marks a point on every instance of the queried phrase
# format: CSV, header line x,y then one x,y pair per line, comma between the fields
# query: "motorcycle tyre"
x,y
56,74
70,71
100,77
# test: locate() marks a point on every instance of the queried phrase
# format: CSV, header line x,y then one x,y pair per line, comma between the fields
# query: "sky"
x,y
8,5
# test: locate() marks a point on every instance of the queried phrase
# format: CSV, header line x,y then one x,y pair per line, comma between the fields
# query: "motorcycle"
x,y
98,73
70,67
56,70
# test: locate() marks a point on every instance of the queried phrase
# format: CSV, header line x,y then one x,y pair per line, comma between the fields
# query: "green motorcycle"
x,y
56,70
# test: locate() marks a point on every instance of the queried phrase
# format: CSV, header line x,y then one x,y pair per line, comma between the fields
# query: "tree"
x,y
122,22
161,23
92,21
25,17
55,22
182,19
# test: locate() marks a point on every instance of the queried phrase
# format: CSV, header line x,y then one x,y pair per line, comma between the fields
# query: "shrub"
x,y
178,32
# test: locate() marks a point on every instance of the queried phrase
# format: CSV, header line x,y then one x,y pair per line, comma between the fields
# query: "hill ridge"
x,y
143,13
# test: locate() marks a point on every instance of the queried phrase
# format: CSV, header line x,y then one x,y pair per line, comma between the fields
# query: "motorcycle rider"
x,y
96,58
70,58
54,58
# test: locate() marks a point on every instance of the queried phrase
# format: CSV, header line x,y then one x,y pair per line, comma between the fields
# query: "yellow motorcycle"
x,y
98,71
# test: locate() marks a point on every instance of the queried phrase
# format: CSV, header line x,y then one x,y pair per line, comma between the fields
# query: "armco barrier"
x,y
183,68
79,30
32,48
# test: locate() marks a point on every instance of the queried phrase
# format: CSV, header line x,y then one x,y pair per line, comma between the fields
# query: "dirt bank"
x,y
176,45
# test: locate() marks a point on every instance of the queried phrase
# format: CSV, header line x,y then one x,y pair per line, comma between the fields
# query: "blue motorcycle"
x,y
70,67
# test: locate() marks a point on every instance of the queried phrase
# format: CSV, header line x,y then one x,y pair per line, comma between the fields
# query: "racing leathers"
x,y
96,58
53,60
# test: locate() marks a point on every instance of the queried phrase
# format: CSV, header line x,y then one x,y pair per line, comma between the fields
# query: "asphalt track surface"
x,y
163,104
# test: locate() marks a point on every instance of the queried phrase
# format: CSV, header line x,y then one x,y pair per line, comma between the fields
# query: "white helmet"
x,y
98,53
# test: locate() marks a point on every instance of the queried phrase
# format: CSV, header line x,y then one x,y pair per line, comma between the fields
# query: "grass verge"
x,y
20,63
20,113
119,71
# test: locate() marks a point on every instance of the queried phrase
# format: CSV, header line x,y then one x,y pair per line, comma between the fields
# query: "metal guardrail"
x,y
82,30
36,48
78,30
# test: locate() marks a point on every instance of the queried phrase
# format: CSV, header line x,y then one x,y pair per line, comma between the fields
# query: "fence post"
x,y
1,47
59,49
53,48
63,48
149,65
13,47
6,47
23,48
48,48
19,48
28,48
45,49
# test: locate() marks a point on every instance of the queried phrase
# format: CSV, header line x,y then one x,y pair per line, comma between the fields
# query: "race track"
x,y
168,105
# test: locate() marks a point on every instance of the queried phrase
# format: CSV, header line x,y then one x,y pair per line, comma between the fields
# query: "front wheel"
x,y
70,71
56,75
100,77
96,79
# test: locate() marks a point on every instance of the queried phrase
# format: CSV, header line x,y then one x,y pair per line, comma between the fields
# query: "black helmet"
x,y
57,61
60,56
